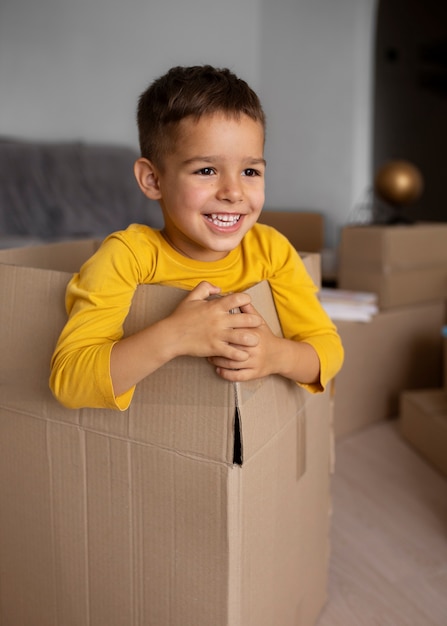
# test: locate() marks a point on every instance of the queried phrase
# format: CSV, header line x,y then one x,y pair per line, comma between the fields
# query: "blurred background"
x,y
74,70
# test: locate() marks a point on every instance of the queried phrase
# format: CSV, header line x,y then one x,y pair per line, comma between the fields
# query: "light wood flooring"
x,y
389,534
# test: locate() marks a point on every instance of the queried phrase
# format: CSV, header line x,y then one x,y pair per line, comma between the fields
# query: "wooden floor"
x,y
389,535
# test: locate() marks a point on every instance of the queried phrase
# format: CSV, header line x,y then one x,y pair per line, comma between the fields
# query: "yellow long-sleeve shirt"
x,y
98,299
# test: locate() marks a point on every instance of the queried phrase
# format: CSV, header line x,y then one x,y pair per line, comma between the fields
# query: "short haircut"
x,y
190,92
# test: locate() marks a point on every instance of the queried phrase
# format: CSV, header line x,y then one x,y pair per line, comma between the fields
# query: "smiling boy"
x,y
202,134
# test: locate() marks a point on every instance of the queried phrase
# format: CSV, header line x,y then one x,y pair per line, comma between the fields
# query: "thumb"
x,y
203,291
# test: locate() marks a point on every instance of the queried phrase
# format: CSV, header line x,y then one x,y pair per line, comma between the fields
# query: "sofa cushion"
x,y
54,190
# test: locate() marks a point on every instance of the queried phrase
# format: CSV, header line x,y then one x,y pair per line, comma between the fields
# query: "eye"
x,y
206,171
251,172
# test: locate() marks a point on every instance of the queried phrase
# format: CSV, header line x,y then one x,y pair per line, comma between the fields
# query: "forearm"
x,y
96,374
139,355
296,360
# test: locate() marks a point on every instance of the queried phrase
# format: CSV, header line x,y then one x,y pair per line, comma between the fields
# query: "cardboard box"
x,y
304,229
398,349
404,264
67,256
205,503
423,423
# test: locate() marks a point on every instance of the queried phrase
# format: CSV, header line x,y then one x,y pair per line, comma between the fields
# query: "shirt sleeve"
x,y
98,299
300,312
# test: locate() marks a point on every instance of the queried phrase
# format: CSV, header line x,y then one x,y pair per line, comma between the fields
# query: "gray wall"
x,y
75,69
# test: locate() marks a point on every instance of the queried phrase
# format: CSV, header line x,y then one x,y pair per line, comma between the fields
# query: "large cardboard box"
x,y
423,423
206,503
404,264
398,349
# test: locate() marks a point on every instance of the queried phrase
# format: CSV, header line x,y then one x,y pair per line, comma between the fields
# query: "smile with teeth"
x,y
224,220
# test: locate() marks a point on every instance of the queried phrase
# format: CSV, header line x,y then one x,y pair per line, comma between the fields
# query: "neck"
x,y
173,246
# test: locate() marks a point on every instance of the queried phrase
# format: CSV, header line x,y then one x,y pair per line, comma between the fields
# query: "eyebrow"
x,y
214,158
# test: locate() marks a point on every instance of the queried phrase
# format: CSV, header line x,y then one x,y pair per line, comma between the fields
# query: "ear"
x,y
147,178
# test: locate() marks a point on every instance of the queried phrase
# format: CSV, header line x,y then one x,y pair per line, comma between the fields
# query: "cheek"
x,y
259,198
194,197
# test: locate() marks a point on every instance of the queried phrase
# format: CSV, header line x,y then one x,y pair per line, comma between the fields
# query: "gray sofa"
x,y
53,191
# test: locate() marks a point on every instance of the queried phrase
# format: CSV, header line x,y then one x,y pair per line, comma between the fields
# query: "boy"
x,y
201,133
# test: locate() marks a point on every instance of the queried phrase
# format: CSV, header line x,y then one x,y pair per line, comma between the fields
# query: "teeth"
x,y
223,219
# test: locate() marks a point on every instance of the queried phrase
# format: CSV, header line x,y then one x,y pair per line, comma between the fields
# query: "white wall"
x,y
75,70
316,75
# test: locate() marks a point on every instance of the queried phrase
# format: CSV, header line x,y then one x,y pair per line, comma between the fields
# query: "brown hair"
x,y
190,91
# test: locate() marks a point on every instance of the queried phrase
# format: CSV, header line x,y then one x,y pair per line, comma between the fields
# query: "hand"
x,y
261,353
206,327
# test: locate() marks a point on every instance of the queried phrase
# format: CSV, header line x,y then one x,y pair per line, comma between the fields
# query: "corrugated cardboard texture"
x,y
423,422
404,265
142,517
399,349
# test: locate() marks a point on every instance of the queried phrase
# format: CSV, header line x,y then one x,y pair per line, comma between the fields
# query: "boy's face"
x,y
211,187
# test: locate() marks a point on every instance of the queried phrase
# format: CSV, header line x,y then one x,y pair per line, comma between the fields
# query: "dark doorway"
x,y
410,96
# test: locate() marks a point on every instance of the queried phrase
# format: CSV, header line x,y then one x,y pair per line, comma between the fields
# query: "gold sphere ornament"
x,y
399,183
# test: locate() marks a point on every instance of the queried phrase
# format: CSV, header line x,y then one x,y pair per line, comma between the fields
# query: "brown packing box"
x,y
423,423
404,264
157,515
399,349
304,229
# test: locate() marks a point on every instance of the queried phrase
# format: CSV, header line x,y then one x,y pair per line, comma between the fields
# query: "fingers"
x,y
238,304
203,291
244,315
260,347
231,356
228,302
243,339
206,324
235,375
243,320
249,308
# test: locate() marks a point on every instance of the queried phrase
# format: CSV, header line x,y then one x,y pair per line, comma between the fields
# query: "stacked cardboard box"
x,y
423,423
396,350
423,418
204,503
406,265
403,264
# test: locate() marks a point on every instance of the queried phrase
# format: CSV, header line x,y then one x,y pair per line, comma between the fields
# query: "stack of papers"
x,y
354,306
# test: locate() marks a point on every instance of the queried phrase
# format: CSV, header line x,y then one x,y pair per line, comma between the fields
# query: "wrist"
x,y
298,361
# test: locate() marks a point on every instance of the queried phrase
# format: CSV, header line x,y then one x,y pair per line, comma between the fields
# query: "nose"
x,y
230,189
